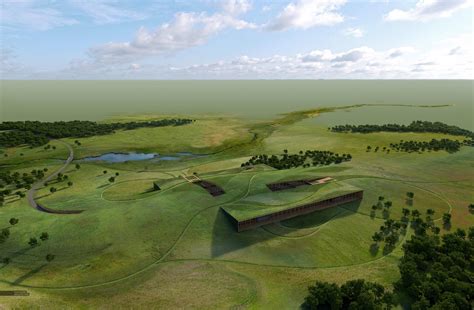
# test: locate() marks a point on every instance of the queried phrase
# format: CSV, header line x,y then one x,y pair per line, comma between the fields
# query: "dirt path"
x,y
32,192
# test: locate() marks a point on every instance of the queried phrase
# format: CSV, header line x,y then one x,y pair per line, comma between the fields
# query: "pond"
x,y
124,157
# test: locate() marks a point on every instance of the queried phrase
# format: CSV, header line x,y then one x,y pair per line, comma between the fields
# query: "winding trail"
x,y
41,183
163,258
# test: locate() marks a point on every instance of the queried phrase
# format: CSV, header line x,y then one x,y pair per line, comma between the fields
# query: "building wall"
x,y
299,210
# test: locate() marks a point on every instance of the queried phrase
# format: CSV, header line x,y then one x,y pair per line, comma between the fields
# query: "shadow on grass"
x,y
102,186
447,226
374,249
226,239
28,274
387,249
13,255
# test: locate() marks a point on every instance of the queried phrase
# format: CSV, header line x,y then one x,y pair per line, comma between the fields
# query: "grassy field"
x,y
175,248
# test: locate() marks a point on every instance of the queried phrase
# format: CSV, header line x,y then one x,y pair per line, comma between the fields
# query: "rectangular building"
x,y
248,216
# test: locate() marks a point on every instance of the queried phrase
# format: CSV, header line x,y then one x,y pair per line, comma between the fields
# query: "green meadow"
x,y
135,247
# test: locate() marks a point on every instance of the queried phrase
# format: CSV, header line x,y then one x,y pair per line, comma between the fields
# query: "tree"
x,y
104,172
323,295
446,219
381,198
5,232
49,257
78,166
117,174
354,294
377,237
391,239
387,204
405,212
44,236
13,221
111,179
430,212
410,195
6,260
52,189
471,207
360,294
33,242
415,213
69,183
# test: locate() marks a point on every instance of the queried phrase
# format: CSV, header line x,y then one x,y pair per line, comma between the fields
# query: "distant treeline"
x,y
448,145
302,159
416,126
35,133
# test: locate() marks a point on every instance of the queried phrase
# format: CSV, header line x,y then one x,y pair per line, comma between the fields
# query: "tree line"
x,y
447,145
415,126
301,159
36,133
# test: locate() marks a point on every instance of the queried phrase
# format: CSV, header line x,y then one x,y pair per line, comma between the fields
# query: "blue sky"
x,y
236,39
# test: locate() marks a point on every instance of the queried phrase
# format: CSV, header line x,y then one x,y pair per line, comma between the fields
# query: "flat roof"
x,y
247,210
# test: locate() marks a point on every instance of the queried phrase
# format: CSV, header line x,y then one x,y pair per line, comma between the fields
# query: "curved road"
x,y
31,193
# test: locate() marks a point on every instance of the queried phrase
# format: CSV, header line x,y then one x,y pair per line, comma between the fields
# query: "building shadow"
x,y
226,239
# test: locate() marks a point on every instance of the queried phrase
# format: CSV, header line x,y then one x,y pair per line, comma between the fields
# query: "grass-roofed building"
x,y
251,215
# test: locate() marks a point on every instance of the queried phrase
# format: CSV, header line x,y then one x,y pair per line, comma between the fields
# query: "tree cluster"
x,y
15,138
389,232
415,126
354,294
436,273
451,146
17,180
35,133
302,159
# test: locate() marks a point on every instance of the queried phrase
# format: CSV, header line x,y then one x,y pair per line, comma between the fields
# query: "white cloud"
x,y
32,15
428,9
106,11
449,59
400,51
362,62
185,31
236,7
352,55
305,14
353,32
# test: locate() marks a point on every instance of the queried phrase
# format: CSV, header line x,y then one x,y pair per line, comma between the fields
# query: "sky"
x,y
236,39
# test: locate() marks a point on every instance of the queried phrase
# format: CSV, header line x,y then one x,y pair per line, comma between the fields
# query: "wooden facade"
x,y
296,211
